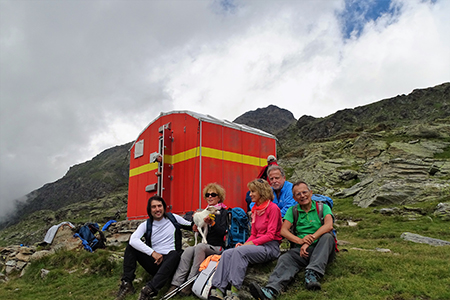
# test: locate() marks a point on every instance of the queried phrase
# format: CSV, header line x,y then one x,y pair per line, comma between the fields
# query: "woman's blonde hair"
x,y
262,187
216,187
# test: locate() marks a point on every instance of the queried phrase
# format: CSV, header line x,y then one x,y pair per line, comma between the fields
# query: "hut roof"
x,y
210,119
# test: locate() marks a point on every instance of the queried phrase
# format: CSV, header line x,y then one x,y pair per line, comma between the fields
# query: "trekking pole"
x,y
175,291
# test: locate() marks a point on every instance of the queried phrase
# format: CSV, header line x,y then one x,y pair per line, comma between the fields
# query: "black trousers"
x,y
161,273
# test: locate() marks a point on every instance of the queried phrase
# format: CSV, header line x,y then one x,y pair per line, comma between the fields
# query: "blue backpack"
x,y
90,241
238,227
322,199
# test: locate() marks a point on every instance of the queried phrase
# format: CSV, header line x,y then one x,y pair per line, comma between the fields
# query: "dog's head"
x,y
213,210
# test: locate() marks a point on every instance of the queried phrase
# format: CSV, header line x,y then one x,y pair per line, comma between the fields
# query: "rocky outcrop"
x,y
279,119
15,258
404,180
375,170
443,211
401,191
416,238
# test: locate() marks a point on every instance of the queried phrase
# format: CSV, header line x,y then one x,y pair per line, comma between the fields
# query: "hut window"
x,y
139,149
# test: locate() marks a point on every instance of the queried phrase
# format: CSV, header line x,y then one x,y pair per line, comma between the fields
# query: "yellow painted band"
x,y
185,155
143,169
232,156
206,152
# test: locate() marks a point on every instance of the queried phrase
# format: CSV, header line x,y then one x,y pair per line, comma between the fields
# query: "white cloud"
x,y
394,58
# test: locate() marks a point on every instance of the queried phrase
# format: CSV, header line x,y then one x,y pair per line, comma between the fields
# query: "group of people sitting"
x,y
272,216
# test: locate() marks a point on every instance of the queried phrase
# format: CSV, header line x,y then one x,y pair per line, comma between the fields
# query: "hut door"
x,y
165,148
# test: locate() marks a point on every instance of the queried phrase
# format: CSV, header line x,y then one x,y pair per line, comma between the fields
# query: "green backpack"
x,y
319,200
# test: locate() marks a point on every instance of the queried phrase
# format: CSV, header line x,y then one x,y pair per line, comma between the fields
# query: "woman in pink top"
x,y
262,245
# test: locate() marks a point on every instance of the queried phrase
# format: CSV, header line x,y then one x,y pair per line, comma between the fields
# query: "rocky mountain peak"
x,y
271,119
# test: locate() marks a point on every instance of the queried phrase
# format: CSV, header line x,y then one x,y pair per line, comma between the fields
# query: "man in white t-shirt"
x,y
159,255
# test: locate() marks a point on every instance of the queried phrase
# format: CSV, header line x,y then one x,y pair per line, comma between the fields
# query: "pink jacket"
x,y
267,227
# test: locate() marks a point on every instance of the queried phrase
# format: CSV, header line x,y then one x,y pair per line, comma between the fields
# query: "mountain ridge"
x,y
105,173
430,104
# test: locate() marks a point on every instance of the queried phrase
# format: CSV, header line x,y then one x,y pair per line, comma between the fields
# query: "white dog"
x,y
202,227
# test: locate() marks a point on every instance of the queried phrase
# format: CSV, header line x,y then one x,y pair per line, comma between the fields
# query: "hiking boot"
x,y
215,294
187,290
147,293
171,289
312,280
262,293
125,289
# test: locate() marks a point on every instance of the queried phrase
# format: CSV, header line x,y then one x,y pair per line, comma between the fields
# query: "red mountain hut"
x,y
196,149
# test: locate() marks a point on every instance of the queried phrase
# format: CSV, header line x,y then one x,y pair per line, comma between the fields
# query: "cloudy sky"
x,y
78,77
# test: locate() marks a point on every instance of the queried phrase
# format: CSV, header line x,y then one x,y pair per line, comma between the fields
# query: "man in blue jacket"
x,y
282,189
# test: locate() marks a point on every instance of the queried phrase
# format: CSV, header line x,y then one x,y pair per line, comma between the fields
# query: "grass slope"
x,y
409,271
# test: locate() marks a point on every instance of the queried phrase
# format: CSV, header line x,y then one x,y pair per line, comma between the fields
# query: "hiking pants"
x,y
290,263
160,273
196,255
234,262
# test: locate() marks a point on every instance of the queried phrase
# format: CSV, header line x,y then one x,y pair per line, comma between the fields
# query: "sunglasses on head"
x,y
210,194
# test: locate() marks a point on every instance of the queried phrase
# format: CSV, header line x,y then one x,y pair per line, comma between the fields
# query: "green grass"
x,y
348,184
410,271
73,274
443,155
396,138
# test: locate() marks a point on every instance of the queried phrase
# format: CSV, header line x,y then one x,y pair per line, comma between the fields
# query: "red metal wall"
x,y
229,156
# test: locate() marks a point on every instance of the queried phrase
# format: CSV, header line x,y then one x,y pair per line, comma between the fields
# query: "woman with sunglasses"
x,y
214,194
263,244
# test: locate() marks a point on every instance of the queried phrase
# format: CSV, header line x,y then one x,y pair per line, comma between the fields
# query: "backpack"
x,y
203,283
87,233
238,227
148,233
320,200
